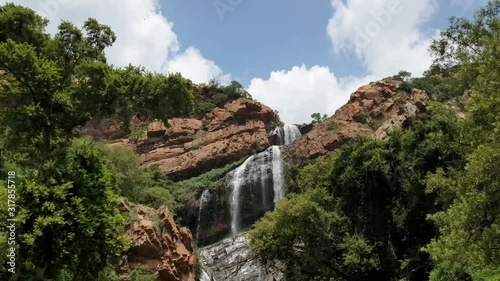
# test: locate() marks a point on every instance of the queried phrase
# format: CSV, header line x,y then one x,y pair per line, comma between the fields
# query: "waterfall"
x,y
237,181
292,133
205,196
287,134
256,186
280,133
278,176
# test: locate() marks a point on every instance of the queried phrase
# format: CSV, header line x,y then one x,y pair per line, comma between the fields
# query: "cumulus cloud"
x,y
192,64
385,35
144,36
301,91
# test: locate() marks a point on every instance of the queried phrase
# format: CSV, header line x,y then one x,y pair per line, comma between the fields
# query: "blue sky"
x,y
256,37
298,57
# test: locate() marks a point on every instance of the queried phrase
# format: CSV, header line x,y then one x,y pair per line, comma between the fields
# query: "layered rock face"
x,y
232,260
189,147
157,243
372,111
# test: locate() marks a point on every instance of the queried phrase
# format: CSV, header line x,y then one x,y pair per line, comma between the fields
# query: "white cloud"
x,y
192,64
144,36
301,91
386,37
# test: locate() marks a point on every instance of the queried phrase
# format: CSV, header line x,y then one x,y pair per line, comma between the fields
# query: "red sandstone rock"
x,y
190,146
157,243
380,106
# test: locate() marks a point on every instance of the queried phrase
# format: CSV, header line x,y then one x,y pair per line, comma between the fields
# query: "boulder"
x,y
156,129
232,259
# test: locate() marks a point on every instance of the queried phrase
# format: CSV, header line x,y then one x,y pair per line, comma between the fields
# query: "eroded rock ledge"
x,y
372,111
157,243
189,147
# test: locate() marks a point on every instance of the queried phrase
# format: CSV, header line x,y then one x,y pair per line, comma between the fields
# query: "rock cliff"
x,y
188,147
157,243
372,111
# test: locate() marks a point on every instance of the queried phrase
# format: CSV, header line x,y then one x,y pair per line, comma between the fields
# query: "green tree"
x,y
71,223
470,226
469,48
403,75
467,248
317,118
40,106
235,91
144,185
22,25
325,250
133,91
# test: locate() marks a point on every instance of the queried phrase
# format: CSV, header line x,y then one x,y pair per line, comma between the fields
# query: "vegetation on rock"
x,y
415,204
420,205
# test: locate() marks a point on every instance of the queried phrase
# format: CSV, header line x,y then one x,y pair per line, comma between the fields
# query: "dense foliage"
x,y
216,95
50,87
67,188
422,205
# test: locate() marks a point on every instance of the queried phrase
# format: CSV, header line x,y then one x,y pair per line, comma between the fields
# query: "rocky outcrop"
x,y
306,128
232,260
213,221
372,111
460,104
157,243
189,147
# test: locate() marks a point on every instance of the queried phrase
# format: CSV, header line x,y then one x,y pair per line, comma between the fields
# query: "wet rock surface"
x,y
257,185
232,260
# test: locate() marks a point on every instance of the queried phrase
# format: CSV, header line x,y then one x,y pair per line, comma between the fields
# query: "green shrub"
x,y
361,117
187,190
139,274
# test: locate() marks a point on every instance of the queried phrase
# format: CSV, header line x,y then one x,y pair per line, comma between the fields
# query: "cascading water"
x,y
254,188
292,133
238,178
260,176
205,196
280,134
287,134
278,176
